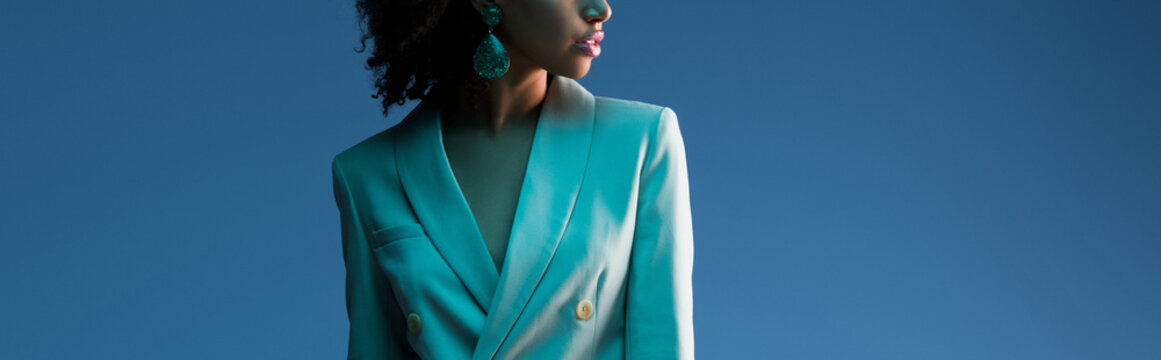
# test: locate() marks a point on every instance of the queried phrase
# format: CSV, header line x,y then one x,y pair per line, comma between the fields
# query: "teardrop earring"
x,y
491,59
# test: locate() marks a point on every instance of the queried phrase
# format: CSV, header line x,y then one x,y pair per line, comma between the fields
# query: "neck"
x,y
513,98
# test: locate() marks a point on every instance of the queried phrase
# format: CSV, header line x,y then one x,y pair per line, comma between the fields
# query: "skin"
x,y
539,36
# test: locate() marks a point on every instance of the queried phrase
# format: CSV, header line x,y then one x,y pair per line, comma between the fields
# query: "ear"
x,y
479,4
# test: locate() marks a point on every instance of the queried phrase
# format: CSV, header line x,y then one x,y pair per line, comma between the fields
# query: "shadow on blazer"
x,y
600,257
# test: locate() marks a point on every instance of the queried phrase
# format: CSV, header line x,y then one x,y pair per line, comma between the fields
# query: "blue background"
x,y
870,180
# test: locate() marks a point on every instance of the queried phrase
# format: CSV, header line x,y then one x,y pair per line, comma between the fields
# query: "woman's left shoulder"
x,y
621,111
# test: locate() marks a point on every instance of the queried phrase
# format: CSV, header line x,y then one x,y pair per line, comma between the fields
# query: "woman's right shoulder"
x,y
373,154
371,148
379,148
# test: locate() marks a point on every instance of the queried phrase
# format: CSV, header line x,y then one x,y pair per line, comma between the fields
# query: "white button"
x,y
414,324
584,310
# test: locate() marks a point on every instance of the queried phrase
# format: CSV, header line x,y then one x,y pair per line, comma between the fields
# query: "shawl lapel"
x,y
439,204
552,181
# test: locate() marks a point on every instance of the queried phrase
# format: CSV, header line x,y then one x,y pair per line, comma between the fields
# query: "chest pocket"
x,y
391,234
417,273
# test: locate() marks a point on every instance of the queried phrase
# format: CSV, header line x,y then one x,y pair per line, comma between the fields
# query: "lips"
x,y
591,43
594,37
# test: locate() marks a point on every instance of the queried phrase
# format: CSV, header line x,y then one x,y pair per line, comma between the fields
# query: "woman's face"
x,y
556,35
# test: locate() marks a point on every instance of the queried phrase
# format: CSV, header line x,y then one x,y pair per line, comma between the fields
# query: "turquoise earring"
x,y
491,59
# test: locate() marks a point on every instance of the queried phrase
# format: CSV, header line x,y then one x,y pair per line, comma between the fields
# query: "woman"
x,y
511,214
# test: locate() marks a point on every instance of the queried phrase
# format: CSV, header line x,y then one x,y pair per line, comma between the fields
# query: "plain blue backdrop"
x,y
870,180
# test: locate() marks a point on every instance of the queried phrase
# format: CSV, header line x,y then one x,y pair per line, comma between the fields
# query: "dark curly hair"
x,y
422,48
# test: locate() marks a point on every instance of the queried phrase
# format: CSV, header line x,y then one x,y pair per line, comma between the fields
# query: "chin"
x,y
575,71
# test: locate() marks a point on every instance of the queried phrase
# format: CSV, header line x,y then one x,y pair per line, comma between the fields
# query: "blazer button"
x,y
584,310
414,324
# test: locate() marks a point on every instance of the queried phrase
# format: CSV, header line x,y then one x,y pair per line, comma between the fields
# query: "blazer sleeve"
x,y
659,304
377,327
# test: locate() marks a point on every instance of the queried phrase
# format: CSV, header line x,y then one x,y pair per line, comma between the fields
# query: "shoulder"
x,y
373,153
645,119
615,109
378,150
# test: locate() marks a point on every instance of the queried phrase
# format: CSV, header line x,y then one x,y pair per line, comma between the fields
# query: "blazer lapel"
x,y
439,204
552,181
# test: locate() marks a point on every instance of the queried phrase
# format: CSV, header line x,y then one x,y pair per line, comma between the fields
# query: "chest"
x,y
489,170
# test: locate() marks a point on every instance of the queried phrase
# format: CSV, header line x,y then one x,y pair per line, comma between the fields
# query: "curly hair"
x,y
422,48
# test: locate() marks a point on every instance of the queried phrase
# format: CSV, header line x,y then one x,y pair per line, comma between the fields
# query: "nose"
x,y
597,11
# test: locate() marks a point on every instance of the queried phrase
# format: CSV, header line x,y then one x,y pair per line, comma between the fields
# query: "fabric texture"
x,y
600,256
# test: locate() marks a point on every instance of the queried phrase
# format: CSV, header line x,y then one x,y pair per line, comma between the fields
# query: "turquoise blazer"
x,y
599,262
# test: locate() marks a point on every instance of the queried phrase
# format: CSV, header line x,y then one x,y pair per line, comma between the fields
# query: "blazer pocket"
x,y
390,234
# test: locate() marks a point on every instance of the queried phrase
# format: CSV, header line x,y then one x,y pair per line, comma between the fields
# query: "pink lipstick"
x,y
591,44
